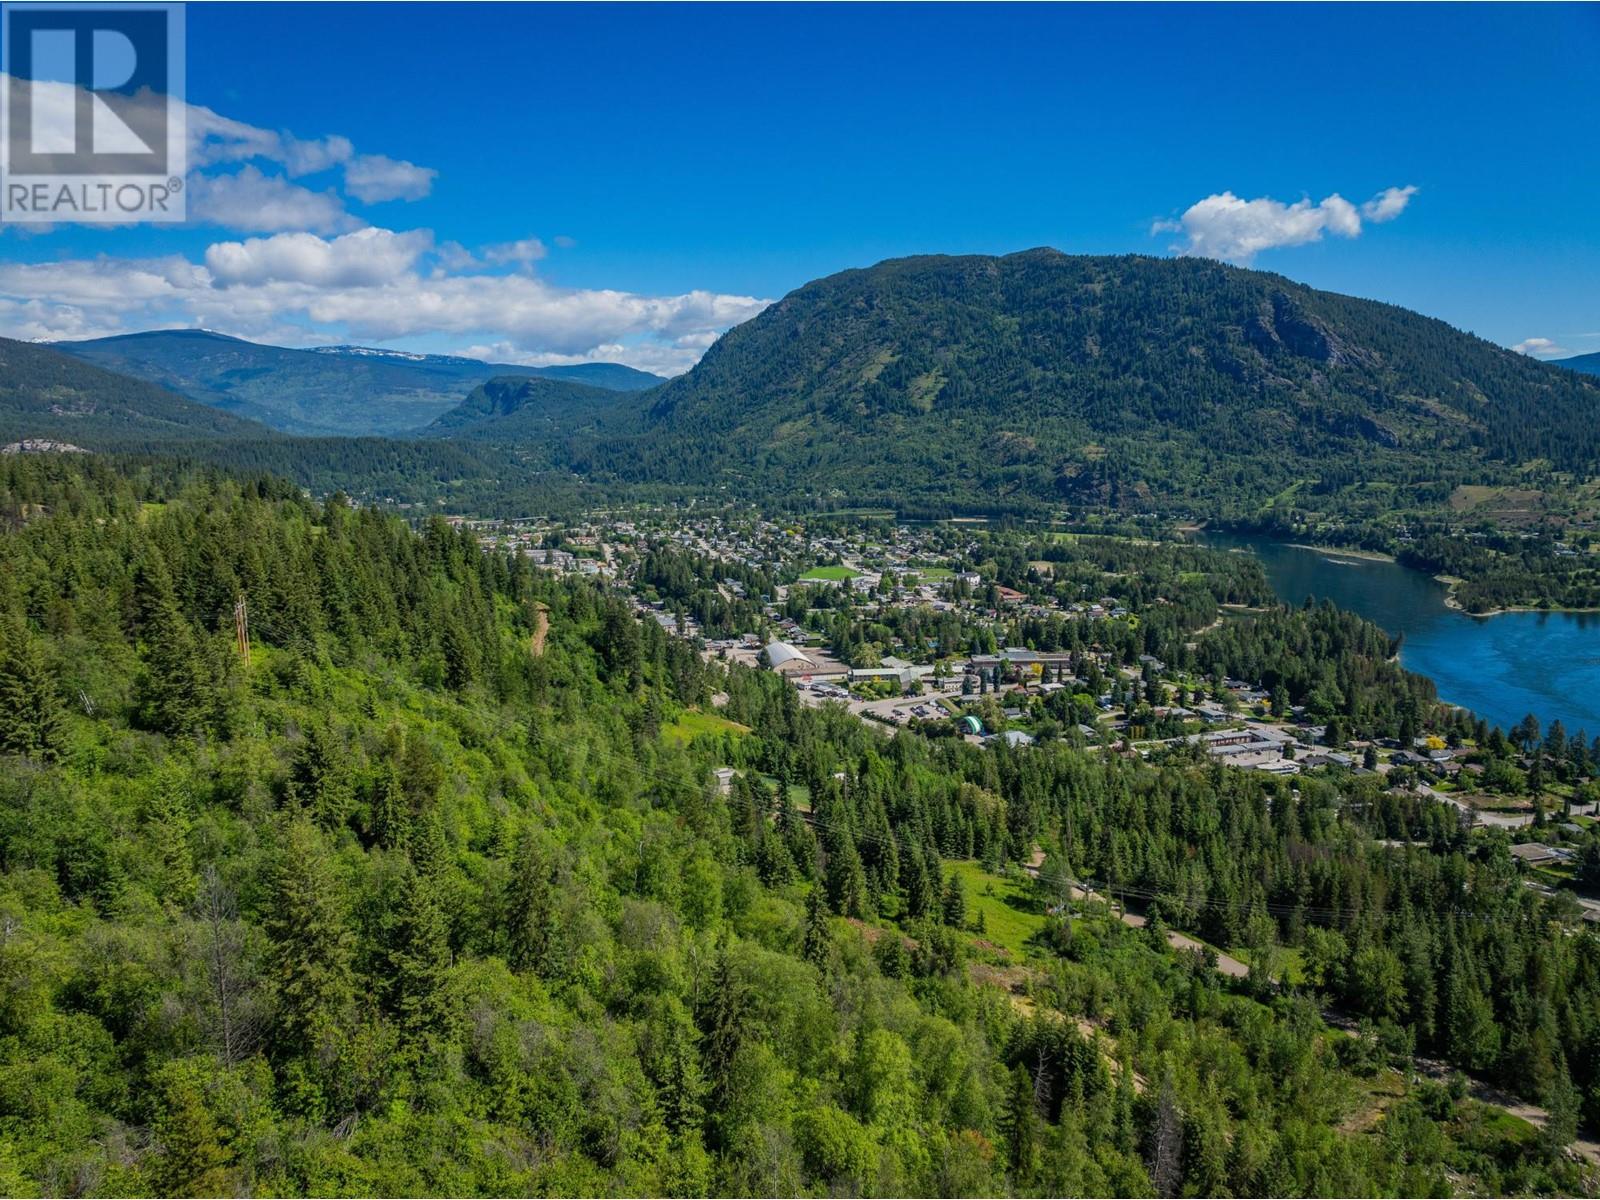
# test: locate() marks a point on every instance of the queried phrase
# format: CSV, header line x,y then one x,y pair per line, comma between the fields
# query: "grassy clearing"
x,y
693,723
1373,1098
1010,913
1291,966
1495,1125
828,575
799,793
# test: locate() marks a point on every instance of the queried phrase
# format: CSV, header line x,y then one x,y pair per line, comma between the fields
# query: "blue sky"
x,y
552,183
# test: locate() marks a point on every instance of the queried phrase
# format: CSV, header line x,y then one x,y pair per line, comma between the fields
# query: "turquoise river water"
x,y
1501,667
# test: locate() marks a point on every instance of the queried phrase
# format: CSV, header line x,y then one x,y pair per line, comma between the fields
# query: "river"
x,y
1501,667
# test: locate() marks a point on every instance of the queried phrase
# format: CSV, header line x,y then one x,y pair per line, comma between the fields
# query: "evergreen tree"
x,y
312,974
390,820
530,910
321,776
724,1025
32,722
1020,1126
169,822
953,907
817,944
174,689
846,880
920,895
194,1159
418,962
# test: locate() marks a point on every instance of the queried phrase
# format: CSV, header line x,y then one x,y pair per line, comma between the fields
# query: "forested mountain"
x,y
613,377
344,391
47,394
1589,364
418,896
51,397
513,410
1041,378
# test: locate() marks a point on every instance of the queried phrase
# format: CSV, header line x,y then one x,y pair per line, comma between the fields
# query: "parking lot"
x,y
895,710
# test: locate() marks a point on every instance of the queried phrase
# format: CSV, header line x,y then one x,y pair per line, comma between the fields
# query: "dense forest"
x,y
51,395
419,897
514,410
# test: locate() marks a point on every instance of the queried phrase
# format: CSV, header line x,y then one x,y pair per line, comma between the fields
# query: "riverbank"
x,y
1451,583
1344,552
1451,601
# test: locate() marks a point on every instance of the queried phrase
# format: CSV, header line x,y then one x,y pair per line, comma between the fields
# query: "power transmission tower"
x,y
241,627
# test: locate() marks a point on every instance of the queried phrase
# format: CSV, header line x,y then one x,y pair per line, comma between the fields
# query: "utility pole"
x,y
241,627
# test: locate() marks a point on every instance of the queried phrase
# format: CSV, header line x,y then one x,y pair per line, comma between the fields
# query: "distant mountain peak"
x,y
383,352
194,333
1589,364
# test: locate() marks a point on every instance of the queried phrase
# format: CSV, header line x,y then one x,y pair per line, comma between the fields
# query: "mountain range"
x,y
53,398
1589,364
1028,382
338,390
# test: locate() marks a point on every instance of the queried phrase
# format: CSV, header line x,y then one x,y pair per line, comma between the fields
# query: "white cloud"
x,y
372,178
215,139
103,284
365,258
1341,216
640,353
368,285
1388,204
1227,227
251,202
301,157
522,254
1540,347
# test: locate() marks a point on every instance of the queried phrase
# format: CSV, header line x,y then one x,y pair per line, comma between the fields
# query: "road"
x,y
1226,963
1487,1093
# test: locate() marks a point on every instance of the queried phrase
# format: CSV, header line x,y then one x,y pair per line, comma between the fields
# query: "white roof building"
x,y
781,656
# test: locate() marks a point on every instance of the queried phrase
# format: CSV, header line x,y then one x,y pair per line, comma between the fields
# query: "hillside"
x,y
512,409
434,892
47,394
346,390
1042,379
1589,364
